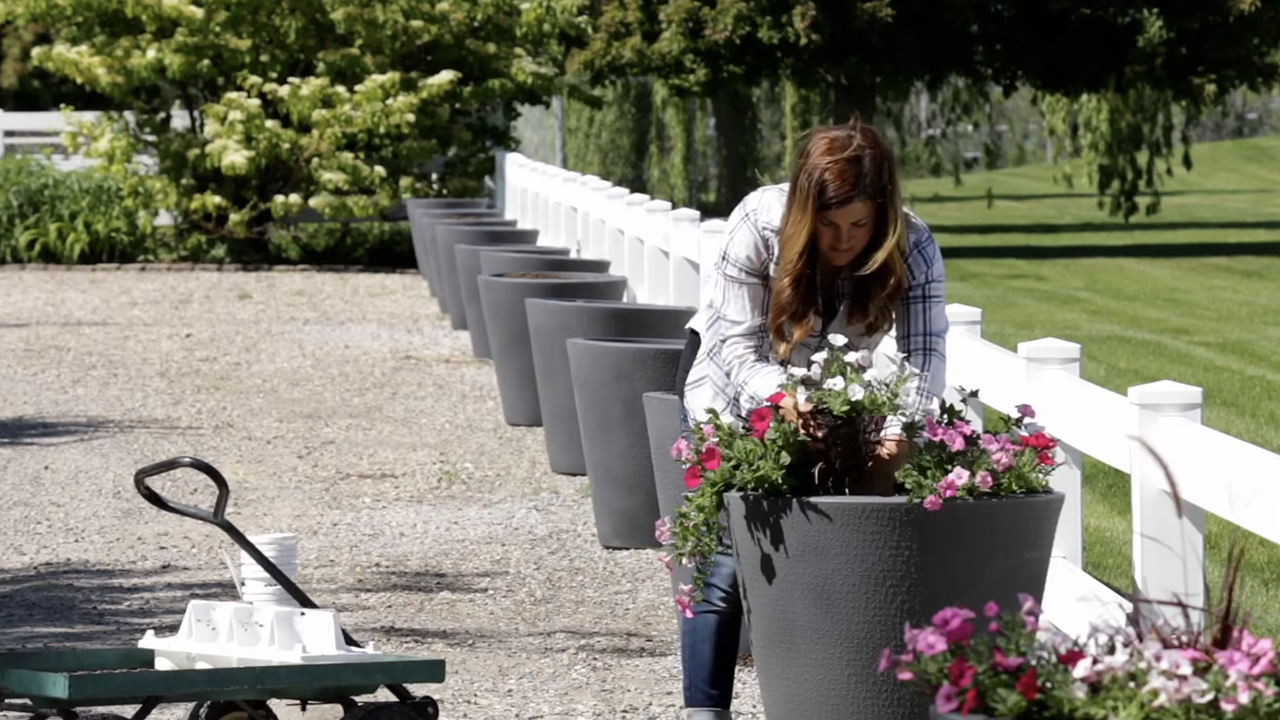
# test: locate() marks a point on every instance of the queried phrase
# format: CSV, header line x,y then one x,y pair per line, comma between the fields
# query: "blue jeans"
x,y
709,639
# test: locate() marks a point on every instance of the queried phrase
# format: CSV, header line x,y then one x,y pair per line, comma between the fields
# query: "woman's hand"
x,y
889,457
798,414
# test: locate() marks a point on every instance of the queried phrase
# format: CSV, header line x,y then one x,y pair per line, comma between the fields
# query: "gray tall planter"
x,y
421,217
450,236
496,262
436,266
829,582
551,323
662,422
502,299
610,377
468,257
422,224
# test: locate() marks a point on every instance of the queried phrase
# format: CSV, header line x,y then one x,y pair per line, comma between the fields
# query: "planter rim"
x,y
635,342
661,393
574,276
896,499
488,228
607,303
459,211
516,248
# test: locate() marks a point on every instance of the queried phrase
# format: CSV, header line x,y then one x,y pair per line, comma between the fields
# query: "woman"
x,y
832,251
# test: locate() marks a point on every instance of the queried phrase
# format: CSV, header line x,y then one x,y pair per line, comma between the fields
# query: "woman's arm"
x,y
739,303
921,323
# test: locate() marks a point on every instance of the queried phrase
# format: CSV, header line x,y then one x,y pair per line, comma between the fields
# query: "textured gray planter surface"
x,y
551,323
468,257
662,421
610,378
502,301
448,237
829,582
495,262
421,222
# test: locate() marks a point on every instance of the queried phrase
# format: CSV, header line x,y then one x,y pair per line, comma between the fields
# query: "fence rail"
x,y
663,250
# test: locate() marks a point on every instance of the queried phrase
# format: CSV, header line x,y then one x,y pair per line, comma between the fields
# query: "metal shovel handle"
x,y
216,516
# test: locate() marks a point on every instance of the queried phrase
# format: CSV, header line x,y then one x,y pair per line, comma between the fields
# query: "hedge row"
x,y
49,215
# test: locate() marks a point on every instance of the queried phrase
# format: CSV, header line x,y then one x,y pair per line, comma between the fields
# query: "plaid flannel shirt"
x,y
735,370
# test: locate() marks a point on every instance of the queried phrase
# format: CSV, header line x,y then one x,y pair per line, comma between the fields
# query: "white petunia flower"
x,y
797,372
837,340
835,383
856,392
819,357
861,358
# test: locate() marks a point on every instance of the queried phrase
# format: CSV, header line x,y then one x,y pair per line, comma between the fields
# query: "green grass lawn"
x,y
1191,294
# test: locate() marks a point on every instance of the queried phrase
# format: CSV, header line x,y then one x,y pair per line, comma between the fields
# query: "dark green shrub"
x,y
368,243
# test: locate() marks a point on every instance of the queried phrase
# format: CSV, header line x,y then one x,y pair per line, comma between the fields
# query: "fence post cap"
x,y
599,185
686,215
658,206
636,199
958,314
1167,393
616,193
715,225
1049,348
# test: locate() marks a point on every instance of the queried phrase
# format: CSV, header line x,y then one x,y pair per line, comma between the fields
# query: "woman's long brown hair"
x,y
838,165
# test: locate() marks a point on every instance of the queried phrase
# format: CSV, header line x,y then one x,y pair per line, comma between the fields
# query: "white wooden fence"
x,y
662,249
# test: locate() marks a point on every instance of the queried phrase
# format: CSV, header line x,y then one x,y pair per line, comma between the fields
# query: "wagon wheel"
x,y
231,710
395,711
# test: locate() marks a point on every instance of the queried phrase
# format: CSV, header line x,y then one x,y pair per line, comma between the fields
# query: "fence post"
x,y
1168,549
1068,543
615,214
685,247
595,240
567,189
634,244
965,320
583,202
656,233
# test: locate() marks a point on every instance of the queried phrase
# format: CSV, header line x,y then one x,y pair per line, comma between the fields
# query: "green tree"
x,y
255,110
1117,76
23,88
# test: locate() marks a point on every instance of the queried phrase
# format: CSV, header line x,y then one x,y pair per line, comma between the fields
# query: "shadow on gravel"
x,y
36,430
76,604
425,581
548,642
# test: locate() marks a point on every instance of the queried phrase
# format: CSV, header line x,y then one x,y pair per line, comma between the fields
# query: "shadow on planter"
x,y
829,582
610,378
502,299
662,422
551,323
468,257
448,237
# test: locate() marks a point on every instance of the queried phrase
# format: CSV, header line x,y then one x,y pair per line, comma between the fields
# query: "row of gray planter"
x,y
570,355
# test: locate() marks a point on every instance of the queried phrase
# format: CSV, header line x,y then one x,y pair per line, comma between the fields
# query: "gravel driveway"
x,y
340,407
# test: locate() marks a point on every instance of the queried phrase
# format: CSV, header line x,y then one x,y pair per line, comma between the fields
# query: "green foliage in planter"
x,y
75,216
